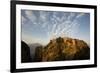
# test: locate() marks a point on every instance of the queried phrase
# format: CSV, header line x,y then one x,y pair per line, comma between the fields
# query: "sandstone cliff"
x,y
61,49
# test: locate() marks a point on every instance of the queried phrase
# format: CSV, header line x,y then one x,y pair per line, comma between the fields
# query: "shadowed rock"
x,y
25,52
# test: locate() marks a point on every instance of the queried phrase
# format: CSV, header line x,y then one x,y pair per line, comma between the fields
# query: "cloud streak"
x,y
54,23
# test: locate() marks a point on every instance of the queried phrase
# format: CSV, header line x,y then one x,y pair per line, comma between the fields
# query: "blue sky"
x,y
41,26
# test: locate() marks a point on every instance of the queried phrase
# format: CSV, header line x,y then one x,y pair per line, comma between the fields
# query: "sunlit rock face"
x,y
61,49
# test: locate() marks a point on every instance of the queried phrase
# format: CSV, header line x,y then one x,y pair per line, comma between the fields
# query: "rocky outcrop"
x,y
63,49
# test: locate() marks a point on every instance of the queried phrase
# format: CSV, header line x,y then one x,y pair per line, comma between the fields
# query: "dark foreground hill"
x,y
61,49
25,53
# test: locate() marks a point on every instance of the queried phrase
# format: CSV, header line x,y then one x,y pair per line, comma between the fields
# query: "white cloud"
x,y
30,15
65,25
23,20
80,15
71,15
58,25
43,19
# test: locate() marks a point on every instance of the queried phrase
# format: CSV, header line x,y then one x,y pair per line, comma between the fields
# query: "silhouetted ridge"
x,y
25,52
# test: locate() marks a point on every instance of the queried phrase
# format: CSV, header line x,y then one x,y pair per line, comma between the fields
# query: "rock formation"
x,y
61,49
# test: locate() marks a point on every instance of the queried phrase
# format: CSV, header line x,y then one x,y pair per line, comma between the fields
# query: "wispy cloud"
x,y
23,20
80,15
30,15
54,23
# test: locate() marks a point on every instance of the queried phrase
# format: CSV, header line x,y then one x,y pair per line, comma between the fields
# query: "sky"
x,y
42,26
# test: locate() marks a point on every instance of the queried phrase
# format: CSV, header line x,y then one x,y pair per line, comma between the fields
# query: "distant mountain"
x,y
33,48
60,49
